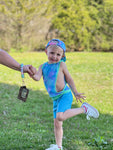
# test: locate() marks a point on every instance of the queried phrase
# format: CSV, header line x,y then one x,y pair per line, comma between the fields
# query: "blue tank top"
x,y
50,74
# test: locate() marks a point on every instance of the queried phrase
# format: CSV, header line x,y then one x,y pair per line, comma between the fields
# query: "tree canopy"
x,y
83,25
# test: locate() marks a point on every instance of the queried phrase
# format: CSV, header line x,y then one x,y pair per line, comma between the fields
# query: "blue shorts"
x,y
62,103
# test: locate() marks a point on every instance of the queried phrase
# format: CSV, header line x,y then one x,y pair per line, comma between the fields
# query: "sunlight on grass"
x,y
25,126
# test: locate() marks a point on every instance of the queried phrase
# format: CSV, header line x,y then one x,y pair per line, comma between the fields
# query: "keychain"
x,y
23,91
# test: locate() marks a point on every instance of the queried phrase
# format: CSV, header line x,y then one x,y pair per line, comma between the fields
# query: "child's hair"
x,y
55,46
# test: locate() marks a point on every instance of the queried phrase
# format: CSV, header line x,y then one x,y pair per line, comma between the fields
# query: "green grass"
x,y
29,126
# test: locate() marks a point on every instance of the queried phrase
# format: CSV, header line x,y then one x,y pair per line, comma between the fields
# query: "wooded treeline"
x,y
84,25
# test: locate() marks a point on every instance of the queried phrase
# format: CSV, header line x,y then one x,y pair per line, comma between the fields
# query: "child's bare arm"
x,y
37,74
71,83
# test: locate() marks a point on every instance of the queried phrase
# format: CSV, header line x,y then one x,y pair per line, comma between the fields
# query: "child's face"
x,y
54,54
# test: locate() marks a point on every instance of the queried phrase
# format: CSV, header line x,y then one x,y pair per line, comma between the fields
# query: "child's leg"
x,y
58,130
89,110
61,116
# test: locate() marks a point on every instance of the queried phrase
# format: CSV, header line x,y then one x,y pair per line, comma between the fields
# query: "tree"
x,y
104,33
18,21
83,24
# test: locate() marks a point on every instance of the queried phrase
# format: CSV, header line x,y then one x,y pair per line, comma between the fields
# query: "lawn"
x,y
29,125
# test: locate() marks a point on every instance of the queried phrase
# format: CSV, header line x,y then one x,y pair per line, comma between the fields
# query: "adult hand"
x,y
27,69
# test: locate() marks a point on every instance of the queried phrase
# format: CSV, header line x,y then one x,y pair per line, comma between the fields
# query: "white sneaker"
x,y
90,111
54,147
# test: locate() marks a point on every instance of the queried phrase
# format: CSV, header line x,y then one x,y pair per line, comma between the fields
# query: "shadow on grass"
x,y
29,125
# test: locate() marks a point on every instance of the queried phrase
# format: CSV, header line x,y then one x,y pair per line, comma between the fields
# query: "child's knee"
x,y
60,116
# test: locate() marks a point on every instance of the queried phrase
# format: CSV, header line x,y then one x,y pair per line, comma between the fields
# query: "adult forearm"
x,y
7,60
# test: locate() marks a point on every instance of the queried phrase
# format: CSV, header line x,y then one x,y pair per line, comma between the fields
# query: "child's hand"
x,y
79,96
